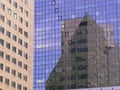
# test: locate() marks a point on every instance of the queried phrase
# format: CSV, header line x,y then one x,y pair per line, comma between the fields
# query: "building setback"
x,y
89,56
16,44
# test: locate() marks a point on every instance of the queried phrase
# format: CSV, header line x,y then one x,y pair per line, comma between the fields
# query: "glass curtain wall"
x,y
76,44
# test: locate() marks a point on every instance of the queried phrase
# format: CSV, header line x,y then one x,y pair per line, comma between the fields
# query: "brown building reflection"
x,y
90,57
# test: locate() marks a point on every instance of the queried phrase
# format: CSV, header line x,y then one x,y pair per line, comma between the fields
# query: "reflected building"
x,y
89,56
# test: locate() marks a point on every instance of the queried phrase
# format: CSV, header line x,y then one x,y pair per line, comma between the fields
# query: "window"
x,y
25,55
8,45
82,67
2,6
56,10
21,19
1,54
83,76
26,2
8,33
7,57
14,49
83,23
26,23
1,79
14,60
21,8
7,69
9,11
21,30
13,84
24,88
15,4
15,15
14,72
1,66
1,42
7,81
19,87
20,41
10,1
20,52
59,18
2,18
19,63
25,77
15,26
25,44
19,75
26,34
26,13
9,22
25,66
14,37
2,30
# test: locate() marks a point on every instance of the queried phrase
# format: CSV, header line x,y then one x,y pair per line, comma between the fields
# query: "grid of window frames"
x,y
77,44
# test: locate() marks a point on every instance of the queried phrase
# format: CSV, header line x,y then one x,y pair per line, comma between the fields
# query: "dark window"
x,y
83,76
14,60
2,30
25,44
14,49
2,18
8,45
25,77
20,41
25,66
8,34
13,84
7,81
7,57
82,67
26,34
20,63
14,72
19,87
73,50
1,79
82,49
2,42
60,87
20,52
25,55
14,37
83,23
15,4
21,30
9,22
1,66
7,69
24,88
82,41
2,6
19,75
1,54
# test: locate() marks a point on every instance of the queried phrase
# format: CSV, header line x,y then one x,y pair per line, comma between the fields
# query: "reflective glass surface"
x,y
76,44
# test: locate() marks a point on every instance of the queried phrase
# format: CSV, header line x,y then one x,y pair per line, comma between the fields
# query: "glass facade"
x,y
76,44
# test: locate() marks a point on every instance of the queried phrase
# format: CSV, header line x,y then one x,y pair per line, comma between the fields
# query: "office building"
x,y
67,59
16,44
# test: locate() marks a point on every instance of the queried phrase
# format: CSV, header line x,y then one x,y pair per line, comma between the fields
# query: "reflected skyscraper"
x,y
89,56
